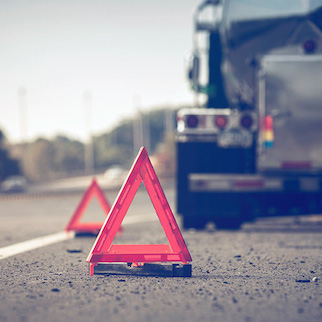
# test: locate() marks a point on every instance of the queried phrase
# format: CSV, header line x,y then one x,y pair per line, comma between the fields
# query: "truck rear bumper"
x,y
205,182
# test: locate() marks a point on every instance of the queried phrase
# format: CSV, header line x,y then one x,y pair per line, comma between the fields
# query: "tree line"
x,y
8,165
44,159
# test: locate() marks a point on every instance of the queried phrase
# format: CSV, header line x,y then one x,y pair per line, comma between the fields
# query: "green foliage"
x,y
46,159
8,165
68,155
116,146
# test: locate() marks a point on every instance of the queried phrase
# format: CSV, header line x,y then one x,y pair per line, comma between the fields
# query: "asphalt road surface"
x,y
270,270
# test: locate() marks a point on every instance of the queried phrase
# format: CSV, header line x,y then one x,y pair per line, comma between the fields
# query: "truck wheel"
x,y
228,223
195,222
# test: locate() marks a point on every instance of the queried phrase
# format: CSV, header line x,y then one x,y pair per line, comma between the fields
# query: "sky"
x,y
75,67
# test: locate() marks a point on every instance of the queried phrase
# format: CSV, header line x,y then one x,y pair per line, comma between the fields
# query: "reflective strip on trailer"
x,y
236,183
231,183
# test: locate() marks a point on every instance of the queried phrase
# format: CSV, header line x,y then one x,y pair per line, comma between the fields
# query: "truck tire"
x,y
196,222
228,223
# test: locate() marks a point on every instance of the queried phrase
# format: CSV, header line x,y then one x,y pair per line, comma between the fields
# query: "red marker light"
x,y
221,121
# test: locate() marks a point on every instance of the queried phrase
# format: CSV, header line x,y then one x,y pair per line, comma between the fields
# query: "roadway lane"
x,y
269,271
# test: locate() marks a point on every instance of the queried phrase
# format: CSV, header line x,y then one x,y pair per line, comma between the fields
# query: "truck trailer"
x,y
252,144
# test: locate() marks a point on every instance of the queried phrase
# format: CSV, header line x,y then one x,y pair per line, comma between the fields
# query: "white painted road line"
x,y
28,245
32,244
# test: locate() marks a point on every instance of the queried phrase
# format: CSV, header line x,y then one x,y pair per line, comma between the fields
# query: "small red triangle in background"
x,y
104,251
88,227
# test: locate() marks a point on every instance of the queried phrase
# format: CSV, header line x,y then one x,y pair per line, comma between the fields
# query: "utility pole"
x,y
88,144
168,120
22,103
22,106
146,132
137,127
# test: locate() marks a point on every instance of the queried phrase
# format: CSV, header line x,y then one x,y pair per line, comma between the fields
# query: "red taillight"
x,y
246,121
221,121
192,121
268,123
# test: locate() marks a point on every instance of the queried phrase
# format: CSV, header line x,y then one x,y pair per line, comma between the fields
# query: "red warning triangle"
x,y
88,227
104,251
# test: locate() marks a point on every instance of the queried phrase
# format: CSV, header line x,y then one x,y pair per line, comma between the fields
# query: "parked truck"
x,y
252,145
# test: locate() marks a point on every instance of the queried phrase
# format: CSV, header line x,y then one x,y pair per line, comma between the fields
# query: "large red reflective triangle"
x,y
104,251
88,227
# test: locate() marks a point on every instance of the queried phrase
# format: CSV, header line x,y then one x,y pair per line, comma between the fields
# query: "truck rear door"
x,y
290,109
